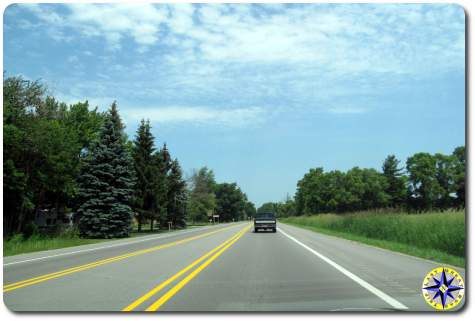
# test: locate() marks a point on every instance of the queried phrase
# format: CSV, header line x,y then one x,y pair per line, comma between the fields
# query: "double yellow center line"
x,y
45,277
209,257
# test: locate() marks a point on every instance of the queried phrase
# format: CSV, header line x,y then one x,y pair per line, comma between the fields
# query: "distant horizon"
x,y
257,93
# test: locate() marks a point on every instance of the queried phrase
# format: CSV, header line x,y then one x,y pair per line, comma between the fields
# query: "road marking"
x,y
106,247
383,296
382,249
54,275
152,292
167,296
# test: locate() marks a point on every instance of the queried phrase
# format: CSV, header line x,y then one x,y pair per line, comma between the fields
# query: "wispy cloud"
x,y
235,117
282,77
290,56
345,38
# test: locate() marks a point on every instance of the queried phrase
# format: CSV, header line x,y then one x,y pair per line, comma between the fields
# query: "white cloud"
x,y
345,38
111,21
181,17
237,117
295,56
115,21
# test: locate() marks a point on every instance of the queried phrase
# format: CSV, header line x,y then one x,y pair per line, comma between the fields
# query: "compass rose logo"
x,y
443,288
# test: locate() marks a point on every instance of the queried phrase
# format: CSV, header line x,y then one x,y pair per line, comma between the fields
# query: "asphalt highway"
x,y
226,267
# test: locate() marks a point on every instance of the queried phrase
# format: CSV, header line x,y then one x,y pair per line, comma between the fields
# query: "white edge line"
x,y
383,296
379,248
106,247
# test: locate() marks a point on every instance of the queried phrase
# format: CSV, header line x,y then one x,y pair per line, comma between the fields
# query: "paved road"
x,y
219,268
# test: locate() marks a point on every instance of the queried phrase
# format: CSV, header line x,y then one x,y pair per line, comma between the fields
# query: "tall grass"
x,y
443,231
19,244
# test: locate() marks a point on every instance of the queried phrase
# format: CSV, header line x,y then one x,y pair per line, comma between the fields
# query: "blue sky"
x,y
258,93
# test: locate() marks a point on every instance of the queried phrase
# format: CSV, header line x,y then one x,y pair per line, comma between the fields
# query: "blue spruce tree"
x,y
106,183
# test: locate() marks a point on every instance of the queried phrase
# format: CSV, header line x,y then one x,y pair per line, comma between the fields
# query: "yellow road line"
x,y
167,296
45,277
152,292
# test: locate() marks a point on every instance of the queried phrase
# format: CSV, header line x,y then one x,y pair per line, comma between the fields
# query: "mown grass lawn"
x,y
437,236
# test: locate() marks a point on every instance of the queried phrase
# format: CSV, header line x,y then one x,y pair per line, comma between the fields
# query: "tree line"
x,y
207,197
78,163
427,182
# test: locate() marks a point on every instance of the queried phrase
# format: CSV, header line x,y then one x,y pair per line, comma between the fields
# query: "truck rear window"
x,y
265,216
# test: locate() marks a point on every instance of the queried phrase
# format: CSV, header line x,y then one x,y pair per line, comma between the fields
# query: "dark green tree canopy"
x,y
430,181
176,196
43,142
144,202
230,202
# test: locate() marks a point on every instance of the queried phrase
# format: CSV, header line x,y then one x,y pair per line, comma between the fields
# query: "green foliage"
x,y
201,200
30,229
206,197
106,184
268,207
58,157
444,231
424,187
459,175
280,209
162,163
160,193
199,205
250,209
335,191
145,199
43,142
230,202
176,196
396,183
430,182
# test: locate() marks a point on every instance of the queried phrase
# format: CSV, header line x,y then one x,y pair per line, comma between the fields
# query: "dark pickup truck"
x,y
265,221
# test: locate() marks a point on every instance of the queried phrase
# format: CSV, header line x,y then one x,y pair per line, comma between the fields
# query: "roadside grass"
x,y
146,232
17,244
437,236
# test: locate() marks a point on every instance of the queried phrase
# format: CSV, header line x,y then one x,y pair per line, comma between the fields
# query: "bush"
x,y
29,230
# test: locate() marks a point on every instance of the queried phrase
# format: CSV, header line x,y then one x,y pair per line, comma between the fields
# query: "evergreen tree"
x,y
396,189
161,168
176,202
106,183
144,200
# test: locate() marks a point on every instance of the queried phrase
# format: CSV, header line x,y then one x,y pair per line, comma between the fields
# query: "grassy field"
x,y
438,236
